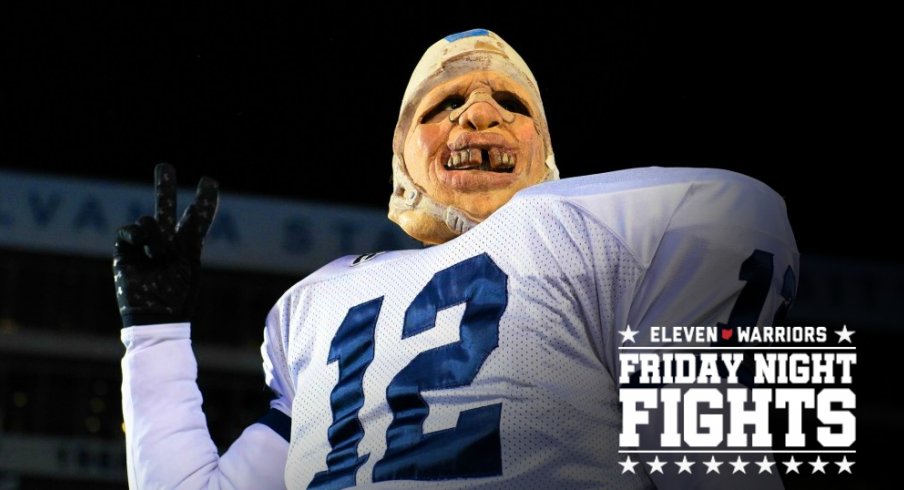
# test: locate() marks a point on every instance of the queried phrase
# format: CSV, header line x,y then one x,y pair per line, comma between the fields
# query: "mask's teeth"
x,y
474,156
499,160
504,161
492,159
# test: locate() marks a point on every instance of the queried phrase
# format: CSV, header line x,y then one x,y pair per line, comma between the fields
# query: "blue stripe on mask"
x,y
471,33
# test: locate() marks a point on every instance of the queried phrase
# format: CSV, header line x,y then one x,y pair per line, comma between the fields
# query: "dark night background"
x,y
262,97
300,102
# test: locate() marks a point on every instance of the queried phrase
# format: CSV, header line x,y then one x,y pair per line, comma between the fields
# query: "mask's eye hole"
x,y
441,110
511,103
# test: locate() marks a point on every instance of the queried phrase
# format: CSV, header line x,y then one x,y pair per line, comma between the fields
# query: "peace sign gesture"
x,y
157,261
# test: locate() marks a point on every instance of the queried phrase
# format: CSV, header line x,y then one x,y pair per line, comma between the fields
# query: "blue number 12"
x,y
472,449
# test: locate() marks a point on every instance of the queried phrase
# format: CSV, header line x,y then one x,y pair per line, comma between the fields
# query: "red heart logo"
x,y
727,333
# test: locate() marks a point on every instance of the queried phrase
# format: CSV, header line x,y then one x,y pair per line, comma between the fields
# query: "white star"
x,y
656,465
739,466
765,465
844,465
684,465
628,465
792,465
819,465
712,465
628,334
844,334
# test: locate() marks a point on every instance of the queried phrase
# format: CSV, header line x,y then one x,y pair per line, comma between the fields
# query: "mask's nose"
x,y
480,112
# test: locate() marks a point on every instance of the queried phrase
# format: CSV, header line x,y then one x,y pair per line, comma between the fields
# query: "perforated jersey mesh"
x,y
579,263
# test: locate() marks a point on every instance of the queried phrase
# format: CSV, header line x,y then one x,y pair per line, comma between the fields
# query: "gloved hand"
x,y
156,261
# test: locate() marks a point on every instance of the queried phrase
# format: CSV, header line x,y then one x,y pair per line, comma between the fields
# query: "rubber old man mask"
x,y
471,133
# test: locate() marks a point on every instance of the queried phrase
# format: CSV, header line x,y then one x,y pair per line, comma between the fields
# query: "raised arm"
x,y
156,266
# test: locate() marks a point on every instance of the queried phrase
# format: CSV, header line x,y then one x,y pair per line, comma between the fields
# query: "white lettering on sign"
x,y
75,216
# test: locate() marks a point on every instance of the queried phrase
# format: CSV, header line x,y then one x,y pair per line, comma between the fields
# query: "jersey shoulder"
x,y
284,312
348,264
639,206
639,178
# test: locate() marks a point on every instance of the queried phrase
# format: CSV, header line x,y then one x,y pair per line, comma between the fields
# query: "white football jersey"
x,y
491,361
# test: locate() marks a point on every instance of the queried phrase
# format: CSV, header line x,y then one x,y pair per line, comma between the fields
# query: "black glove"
x,y
157,262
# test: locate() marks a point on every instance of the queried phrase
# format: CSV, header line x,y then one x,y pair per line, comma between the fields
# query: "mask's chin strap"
x,y
407,196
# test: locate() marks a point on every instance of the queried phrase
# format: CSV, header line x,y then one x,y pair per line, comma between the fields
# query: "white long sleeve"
x,y
168,444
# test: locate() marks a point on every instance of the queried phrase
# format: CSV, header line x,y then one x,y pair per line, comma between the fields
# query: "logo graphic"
x,y
737,400
364,258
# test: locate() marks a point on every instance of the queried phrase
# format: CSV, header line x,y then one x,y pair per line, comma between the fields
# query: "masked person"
x,y
489,360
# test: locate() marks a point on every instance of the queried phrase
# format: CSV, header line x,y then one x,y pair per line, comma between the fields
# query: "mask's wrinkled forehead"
x,y
457,54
